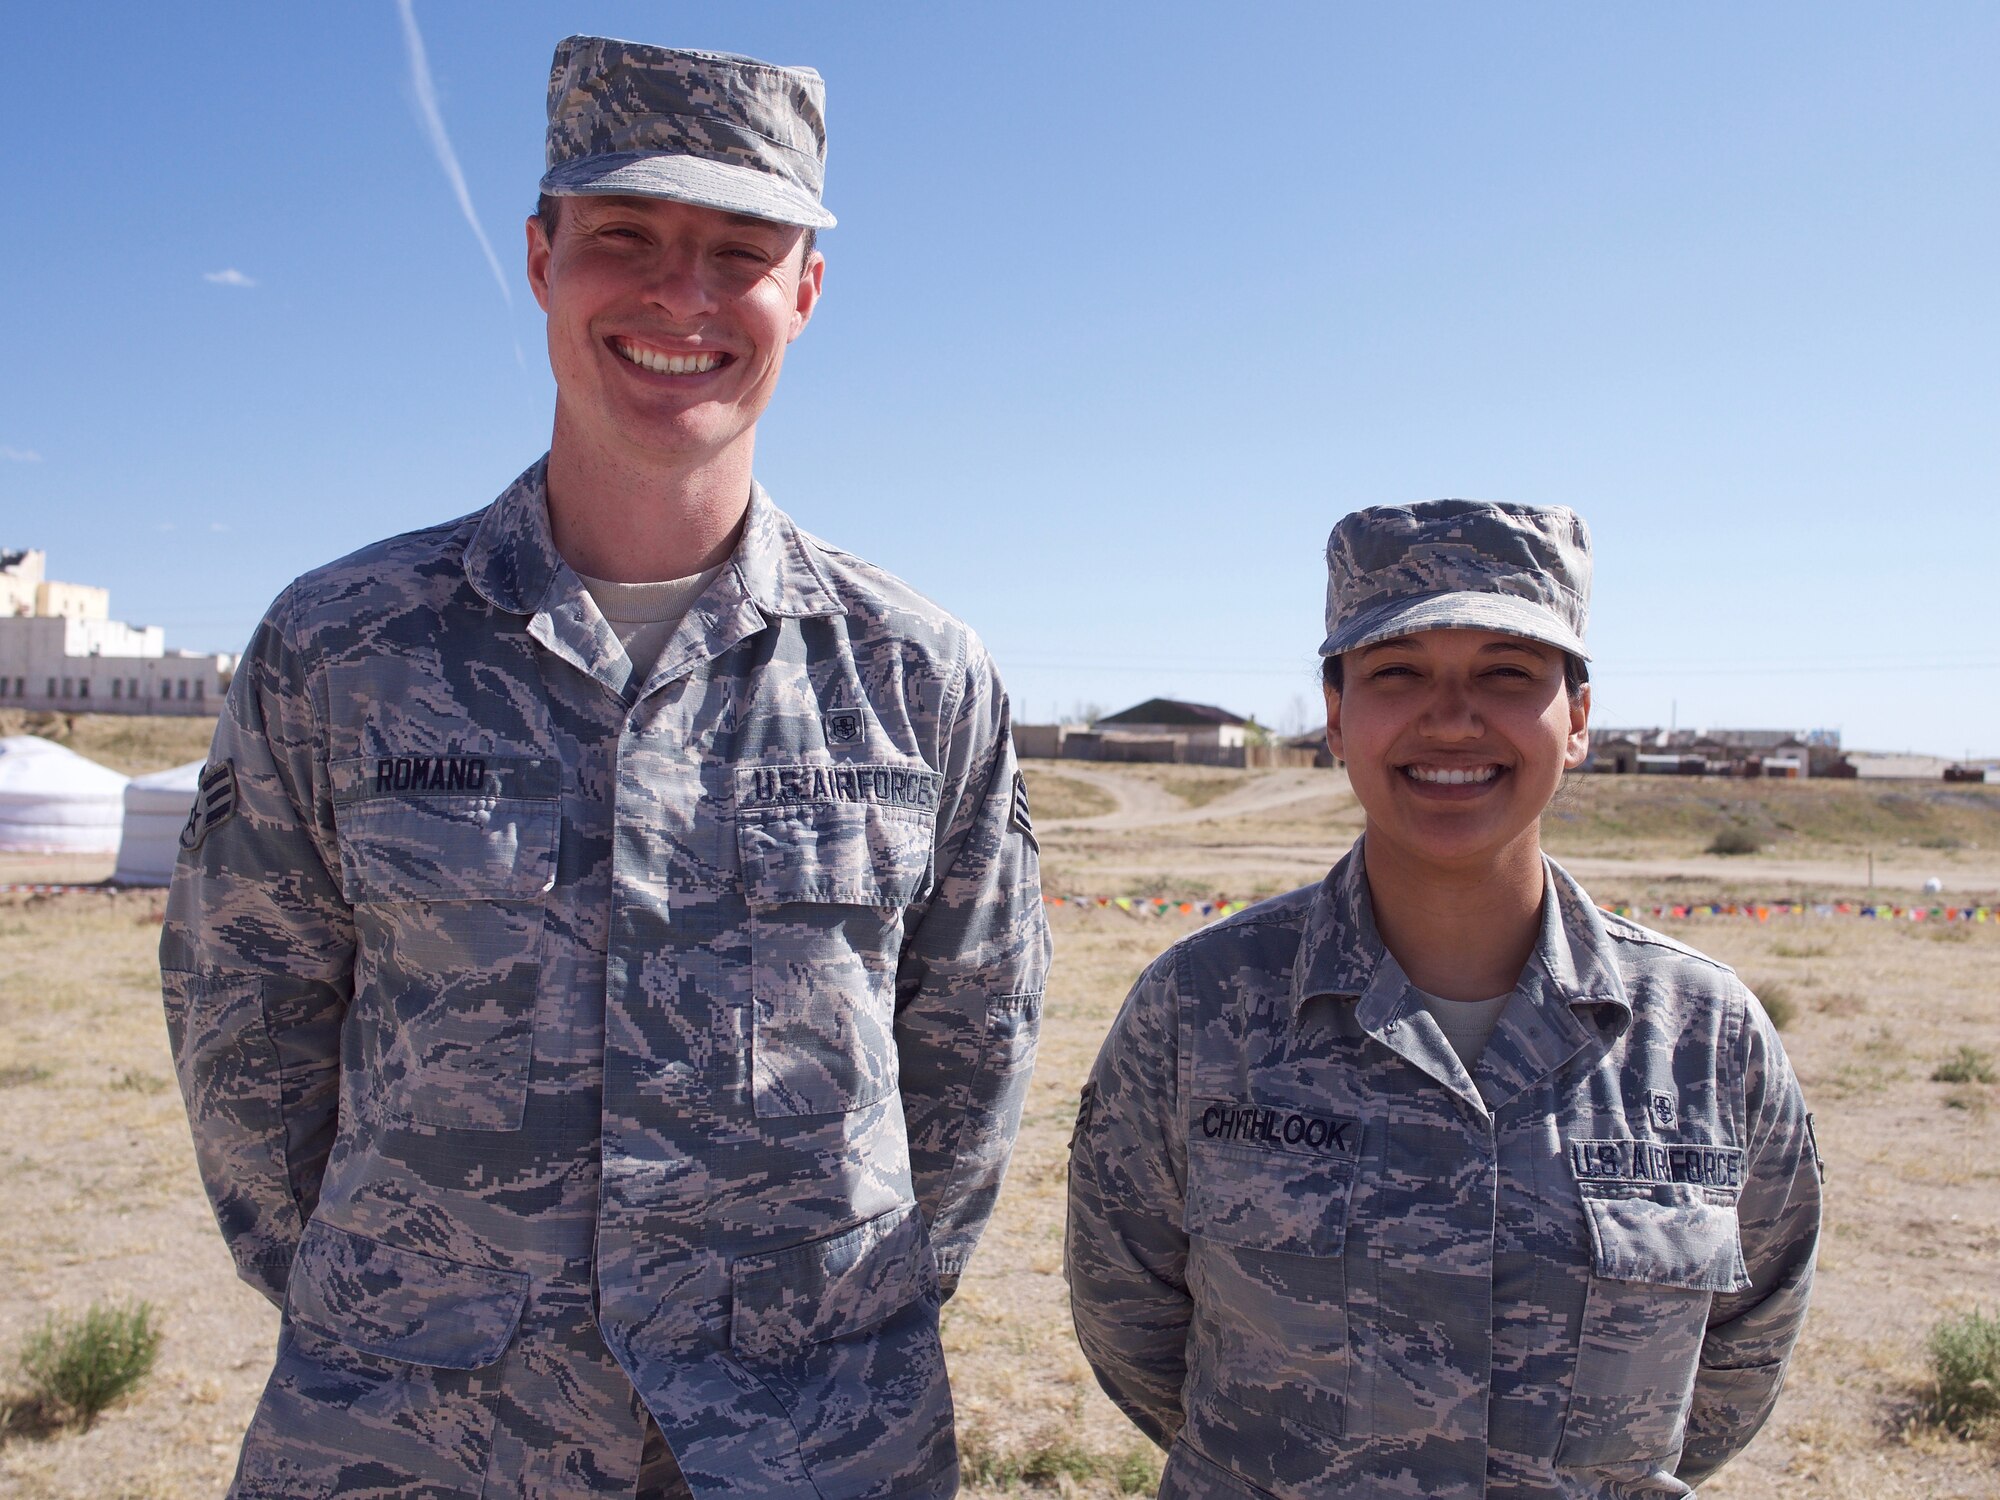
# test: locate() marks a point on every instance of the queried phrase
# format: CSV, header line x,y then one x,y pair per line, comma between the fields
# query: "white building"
x,y
60,650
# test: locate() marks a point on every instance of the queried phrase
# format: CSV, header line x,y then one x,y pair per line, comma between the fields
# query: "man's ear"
x,y
538,261
812,280
1577,748
1334,742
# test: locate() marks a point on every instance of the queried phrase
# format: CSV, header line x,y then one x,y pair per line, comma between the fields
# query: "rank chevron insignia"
x,y
214,802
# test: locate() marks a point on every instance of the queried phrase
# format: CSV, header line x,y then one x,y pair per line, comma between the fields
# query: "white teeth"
x,y
1469,777
668,364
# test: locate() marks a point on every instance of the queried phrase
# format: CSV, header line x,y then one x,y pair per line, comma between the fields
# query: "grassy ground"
x,y
129,743
101,1198
1052,795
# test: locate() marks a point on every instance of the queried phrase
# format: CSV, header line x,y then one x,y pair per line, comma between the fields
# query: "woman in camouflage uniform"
x,y
1434,1179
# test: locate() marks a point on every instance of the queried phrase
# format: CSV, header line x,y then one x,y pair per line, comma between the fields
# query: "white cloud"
x,y
433,123
228,277
217,526
20,455
163,526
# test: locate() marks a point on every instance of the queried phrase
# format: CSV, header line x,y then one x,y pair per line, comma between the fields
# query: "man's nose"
x,y
677,285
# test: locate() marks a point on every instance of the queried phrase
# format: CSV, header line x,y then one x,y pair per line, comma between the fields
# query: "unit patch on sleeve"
x,y
214,803
1665,1109
1021,818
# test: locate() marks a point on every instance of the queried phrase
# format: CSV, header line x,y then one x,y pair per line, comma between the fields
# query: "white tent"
x,y
53,801
156,810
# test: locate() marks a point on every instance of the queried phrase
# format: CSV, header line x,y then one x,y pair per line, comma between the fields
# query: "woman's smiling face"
x,y
1455,740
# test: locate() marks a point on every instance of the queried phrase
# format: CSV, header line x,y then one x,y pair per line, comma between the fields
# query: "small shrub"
x,y
1801,950
1736,839
76,1367
1779,1004
1840,1003
1964,1354
1970,1098
13,1078
135,1082
1053,1465
1966,1065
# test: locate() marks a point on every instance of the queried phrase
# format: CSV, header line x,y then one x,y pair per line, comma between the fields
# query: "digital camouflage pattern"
x,y
561,1046
1315,1257
1392,570
710,128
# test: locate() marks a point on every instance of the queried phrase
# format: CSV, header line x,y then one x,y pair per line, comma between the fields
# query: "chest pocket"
x,y
830,857
1659,1254
1267,1227
447,861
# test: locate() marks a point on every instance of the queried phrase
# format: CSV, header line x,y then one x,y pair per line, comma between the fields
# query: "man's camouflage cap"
x,y
708,128
1393,570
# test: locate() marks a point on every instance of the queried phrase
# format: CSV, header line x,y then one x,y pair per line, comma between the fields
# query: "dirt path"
x,y
1145,804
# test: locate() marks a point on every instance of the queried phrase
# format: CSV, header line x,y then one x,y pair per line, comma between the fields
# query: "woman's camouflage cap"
x,y
708,128
1393,570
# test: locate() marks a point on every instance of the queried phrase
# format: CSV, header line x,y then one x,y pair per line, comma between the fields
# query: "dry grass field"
x,y
101,1201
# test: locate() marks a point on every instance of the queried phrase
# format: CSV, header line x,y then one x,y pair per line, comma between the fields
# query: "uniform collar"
x,y
1341,952
513,563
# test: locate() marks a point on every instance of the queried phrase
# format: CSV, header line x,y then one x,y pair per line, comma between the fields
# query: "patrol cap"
x,y
1521,570
708,128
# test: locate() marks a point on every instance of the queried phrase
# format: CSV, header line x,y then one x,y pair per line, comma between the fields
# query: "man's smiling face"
x,y
1455,740
667,323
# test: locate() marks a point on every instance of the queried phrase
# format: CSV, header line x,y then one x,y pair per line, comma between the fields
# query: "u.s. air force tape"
x,y
791,785
1653,1162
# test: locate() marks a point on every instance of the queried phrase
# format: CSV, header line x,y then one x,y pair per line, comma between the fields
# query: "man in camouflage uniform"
x,y
606,1049
1321,1247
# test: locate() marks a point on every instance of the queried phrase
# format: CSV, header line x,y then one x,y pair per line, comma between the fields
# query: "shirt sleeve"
x,y
1125,1250
969,985
1751,1333
256,962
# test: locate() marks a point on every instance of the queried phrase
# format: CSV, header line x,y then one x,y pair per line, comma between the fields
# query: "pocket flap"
x,y
1259,1198
446,828
1683,1242
852,835
403,1304
832,1288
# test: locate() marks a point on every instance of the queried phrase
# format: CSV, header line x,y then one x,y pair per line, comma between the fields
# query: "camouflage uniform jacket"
x,y
1311,1253
550,1035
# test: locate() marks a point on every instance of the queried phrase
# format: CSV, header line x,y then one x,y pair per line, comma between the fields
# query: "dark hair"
x,y
1576,674
548,210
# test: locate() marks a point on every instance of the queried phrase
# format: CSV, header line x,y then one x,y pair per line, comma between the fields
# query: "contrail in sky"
x,y
427,107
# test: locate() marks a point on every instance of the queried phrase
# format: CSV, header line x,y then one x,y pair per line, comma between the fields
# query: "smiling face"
x,y
1455,740
667,323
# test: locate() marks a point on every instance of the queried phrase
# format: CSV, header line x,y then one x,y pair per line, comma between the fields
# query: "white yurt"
x,y
156,810
53,801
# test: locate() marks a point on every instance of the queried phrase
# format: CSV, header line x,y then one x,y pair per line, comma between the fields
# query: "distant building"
x,y
1161,730
1170,719
59,649
1788,753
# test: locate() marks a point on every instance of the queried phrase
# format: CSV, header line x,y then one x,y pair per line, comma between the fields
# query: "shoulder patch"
x,y
1021,818
214,803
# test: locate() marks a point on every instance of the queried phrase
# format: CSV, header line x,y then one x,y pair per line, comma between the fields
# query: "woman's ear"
x,y
1334,741
1578,746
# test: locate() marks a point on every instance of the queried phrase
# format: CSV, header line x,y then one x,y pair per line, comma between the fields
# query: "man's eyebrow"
x,y
1524,647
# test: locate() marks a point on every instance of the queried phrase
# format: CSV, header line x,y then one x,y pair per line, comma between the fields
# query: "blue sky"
x,y
1127,305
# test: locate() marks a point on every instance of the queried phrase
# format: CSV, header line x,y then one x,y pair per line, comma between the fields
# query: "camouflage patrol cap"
x,y
708,128
1394,570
